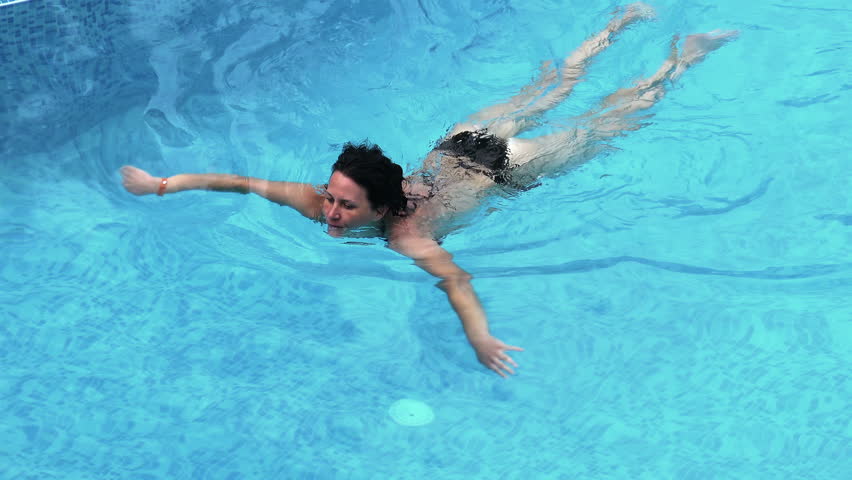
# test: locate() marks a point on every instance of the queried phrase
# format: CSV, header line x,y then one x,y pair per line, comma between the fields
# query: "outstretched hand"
x,y
138,181
491,352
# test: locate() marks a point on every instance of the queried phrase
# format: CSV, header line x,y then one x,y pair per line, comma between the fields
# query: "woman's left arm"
x,y
455,282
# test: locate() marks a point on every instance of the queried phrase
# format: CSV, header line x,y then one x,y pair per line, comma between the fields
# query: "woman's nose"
x,y
333,211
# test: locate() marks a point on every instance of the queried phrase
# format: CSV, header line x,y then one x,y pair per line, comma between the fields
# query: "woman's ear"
x,y
380,212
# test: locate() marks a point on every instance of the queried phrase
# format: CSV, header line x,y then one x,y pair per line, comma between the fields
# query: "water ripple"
x,y
577,266
800,102
817,9
844,219
698,210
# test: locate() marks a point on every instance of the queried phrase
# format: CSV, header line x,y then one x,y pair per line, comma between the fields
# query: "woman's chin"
x,y
336,231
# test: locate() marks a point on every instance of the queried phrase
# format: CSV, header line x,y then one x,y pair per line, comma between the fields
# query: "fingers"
x,y
501,368
498,360
506,367
507,358
127,170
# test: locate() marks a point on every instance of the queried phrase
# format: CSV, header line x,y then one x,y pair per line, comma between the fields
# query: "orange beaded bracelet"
x,y
162,189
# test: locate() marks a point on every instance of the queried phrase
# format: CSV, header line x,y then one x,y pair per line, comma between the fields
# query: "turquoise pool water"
x,y
683,300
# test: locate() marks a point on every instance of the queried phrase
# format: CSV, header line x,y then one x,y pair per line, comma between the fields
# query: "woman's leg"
x,y
520,112
553,153
615,114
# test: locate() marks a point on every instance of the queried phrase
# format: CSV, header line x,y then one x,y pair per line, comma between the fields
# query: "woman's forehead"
x,y
342,187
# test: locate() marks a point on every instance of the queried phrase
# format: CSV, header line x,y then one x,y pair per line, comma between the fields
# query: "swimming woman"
x,y
368,194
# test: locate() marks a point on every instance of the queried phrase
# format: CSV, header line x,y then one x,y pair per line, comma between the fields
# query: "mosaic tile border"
x,y
6,3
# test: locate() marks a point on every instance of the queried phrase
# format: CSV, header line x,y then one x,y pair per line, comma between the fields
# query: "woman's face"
x,y
346,205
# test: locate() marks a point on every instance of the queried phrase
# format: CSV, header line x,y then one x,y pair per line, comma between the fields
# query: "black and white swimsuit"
x,y
480,151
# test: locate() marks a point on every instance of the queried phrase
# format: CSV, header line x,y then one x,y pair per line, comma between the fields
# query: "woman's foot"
x,y
575,64
697,46
629,15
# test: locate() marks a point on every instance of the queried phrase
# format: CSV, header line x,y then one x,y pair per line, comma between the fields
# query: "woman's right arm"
x,y
302,197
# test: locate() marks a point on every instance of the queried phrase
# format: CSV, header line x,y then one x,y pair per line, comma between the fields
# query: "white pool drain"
x,y
411,413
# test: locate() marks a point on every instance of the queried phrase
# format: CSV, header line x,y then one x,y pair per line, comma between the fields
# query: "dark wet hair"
x,y
368,166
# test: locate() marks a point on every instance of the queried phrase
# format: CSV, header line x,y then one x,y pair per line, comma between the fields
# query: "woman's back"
x,y
441,191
